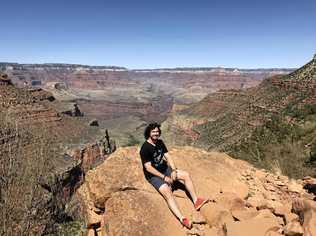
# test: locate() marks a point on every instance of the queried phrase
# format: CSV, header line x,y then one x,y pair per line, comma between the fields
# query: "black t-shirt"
x,y
154,154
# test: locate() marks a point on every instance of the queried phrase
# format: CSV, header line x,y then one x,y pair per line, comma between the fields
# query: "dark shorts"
x,y
157,181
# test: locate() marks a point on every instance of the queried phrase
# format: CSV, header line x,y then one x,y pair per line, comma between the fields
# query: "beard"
x,y
154,137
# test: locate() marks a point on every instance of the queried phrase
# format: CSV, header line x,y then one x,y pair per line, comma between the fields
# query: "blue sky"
x,y
153,34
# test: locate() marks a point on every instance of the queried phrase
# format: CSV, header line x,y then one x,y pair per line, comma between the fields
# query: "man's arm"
x,y
155,172
170,161
152,170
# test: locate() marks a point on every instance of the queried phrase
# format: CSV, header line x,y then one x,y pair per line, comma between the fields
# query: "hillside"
x,y
44,155
272,125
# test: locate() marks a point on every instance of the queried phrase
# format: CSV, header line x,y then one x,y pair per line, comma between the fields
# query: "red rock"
x,y
295,187
230,201
281,210
257,202
306,209
293,229
114,178
244,214
216,215
265,213
251,227
291,217
128,200
260,175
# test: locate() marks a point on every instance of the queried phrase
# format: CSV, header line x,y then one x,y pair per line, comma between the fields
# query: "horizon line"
x,y
149,68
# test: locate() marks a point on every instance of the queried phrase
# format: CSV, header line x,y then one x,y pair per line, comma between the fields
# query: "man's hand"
x,y
174,175
168,180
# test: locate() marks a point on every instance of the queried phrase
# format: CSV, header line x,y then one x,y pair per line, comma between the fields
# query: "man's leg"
x,y
185,178
166,192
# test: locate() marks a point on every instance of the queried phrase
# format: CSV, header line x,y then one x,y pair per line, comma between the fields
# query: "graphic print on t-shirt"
x,y
158,157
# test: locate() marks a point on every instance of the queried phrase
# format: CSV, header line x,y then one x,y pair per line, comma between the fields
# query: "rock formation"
x,y
117,200
37,177
70,109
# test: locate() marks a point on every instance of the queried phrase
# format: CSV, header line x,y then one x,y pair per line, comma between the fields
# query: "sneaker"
x,y
199,203
186,223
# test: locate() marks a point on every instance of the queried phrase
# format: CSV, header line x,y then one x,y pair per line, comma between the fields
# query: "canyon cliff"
x,y
116,95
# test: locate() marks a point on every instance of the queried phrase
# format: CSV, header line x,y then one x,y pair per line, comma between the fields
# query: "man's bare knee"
x,y
183,175
166,192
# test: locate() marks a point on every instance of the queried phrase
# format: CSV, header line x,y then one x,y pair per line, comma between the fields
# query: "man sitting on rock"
x,y
161,172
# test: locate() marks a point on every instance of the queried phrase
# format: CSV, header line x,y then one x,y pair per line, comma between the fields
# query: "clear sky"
x,y
159,33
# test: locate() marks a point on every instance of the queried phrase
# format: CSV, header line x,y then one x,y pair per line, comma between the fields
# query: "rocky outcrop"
x,y
92,154
71,109
41,95
68,177
245,200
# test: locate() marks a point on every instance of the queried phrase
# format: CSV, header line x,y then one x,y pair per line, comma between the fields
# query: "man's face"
x,y
154,134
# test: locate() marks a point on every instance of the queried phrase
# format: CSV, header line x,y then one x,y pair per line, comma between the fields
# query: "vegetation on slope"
x,y
288,148
273,125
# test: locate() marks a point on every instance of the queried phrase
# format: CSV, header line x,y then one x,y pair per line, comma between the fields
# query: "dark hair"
x,y
150,127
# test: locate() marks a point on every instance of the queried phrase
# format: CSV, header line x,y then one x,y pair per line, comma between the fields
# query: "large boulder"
x,y
117,200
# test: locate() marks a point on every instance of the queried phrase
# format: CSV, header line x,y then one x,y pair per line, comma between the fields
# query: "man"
x,y
161,172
